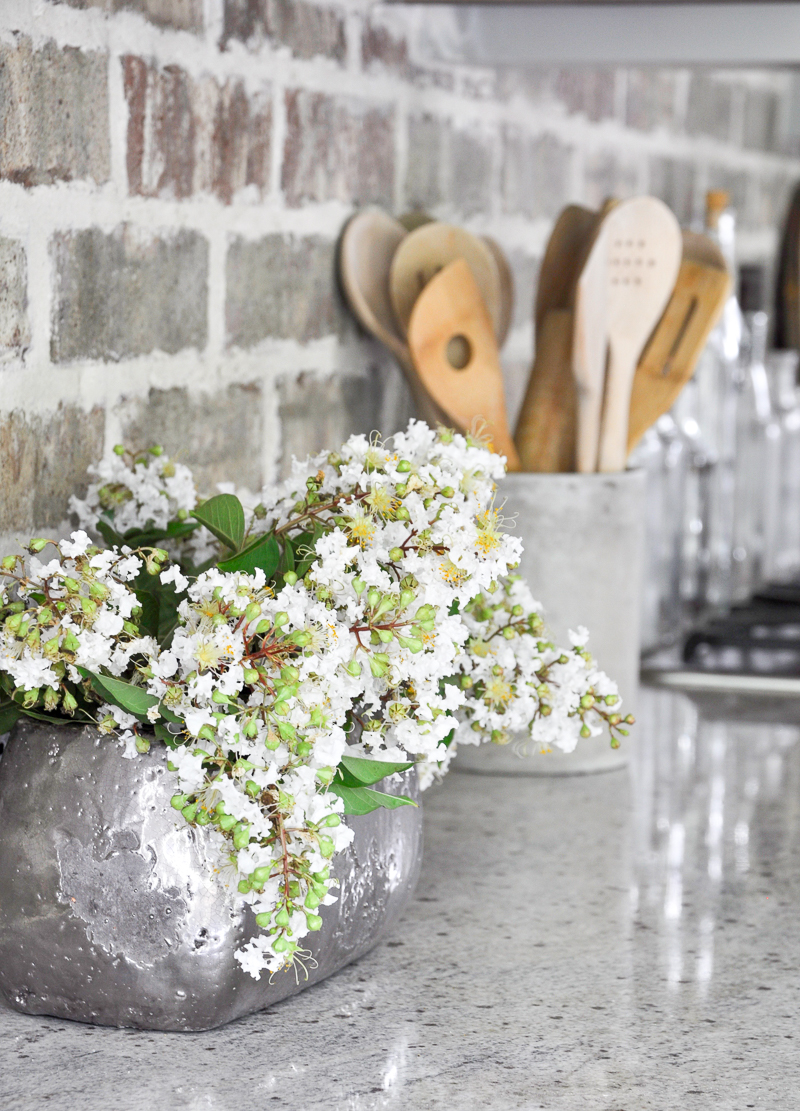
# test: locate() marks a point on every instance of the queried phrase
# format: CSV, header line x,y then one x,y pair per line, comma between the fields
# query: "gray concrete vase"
x,y
110,910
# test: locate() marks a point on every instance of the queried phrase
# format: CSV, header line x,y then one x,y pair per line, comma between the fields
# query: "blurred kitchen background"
x,y
174,177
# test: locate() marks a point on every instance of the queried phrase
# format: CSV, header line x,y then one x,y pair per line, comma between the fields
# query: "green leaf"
x,y
304,545
264,552
109,534
363,800
356,771
147,537
132,699
287,562
223,515
9,715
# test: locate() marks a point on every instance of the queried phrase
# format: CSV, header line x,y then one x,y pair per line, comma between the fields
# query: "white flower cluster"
x,y
73,611
141,493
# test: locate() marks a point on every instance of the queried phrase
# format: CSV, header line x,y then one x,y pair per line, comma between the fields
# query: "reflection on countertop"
x,y
624,941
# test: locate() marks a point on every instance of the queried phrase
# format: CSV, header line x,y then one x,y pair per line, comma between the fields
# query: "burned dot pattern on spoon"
x,y
629,252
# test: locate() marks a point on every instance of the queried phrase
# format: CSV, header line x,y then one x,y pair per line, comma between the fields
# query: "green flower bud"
x,y
326,846
8,563
466,682
377,666
250,675
353,668
280,944
509,633
69,703
359,586
373,598
386,636
282,918
301,638
313,921
118,449
244,887
585,731
203,818
30,698
220,698
413,644
611,700
37,545
206,733
402,514
72,585
241,835
156,449
142,745
403,466
312,901
304,749
263,920
448,492
290,577
396,554
332,820
401,489
280,619
226,822
325,775
252,788
252,612
587,701
190,812
263,626
260,876
630,720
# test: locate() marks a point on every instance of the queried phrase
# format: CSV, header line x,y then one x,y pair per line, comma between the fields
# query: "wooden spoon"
x,y
365,255
669,359
506,289
546,428
452,343
644,255
424,252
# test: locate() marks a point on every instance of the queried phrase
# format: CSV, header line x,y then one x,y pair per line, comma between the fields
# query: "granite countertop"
x,y
626,940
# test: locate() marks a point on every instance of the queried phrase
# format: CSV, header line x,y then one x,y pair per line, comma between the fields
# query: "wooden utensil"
x,y
644,255
424,252
506,289
669,359
452,342
546,428
787,286
545,433
589,348
365,256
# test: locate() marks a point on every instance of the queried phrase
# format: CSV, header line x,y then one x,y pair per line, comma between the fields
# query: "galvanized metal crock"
x,y
111,911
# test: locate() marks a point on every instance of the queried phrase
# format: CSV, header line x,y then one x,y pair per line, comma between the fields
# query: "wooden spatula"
x,y
644,255
452,342
424,252
669,359
564,256
366,251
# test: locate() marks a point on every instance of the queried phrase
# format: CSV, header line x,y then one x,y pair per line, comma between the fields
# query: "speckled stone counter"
x,y
628,940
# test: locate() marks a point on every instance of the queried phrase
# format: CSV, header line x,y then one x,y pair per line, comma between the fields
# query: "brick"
x,y
280,288
183,15
337,149
187,136
607,176
650,99
535,176
218,435
674,182
128,293
709,108
427,140
470,184
14,328
307,29
587,91
318,414
382,46
761,120
43,460
53,114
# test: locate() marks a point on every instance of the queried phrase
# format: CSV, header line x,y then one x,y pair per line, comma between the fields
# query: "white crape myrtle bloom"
x,y
73,611
141,492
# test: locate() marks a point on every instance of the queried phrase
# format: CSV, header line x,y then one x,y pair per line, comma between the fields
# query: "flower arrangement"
x,y
361,620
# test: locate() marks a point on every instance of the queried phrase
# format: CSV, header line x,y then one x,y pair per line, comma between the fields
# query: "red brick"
x,y
187,137
337,149
307,29
379,44
54,114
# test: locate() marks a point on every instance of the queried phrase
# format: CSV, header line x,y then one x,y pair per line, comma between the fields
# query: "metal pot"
x,y
111,911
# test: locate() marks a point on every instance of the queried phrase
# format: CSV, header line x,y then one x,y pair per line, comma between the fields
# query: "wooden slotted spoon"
x,y
644,255
669,359
452,342
367,247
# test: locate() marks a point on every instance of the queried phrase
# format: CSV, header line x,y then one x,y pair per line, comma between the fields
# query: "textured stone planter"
x,y
109,912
